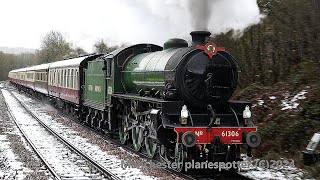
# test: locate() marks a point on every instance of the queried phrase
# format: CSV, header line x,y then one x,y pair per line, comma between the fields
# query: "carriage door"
x,y
94,93
109,81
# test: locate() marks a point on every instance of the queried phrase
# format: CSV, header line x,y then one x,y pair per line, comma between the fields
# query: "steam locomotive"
x,y
171,102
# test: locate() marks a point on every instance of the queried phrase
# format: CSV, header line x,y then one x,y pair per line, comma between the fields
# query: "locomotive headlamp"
x,y
247,113
189,139
184,115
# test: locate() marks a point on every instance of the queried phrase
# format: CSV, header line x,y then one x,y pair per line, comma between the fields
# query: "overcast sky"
x,y
82,22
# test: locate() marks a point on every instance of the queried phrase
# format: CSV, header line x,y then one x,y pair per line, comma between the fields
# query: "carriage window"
x,y
77,79
65,78
69,78
53,78
50,76
59,78
72,78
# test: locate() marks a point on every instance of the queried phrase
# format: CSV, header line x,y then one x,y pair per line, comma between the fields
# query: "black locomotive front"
x,y
207,74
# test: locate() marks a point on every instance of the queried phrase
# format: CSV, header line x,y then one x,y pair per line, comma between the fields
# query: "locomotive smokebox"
x,y
199,37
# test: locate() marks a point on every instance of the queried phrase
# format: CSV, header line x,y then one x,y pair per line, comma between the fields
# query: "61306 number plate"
x,y
232,135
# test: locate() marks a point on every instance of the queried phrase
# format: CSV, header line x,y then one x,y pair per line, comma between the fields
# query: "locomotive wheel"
x,y
164,154
179,157
123,127
137,137
151,146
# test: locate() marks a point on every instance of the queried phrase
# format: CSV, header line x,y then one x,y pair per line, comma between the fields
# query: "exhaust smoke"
x,y
200,13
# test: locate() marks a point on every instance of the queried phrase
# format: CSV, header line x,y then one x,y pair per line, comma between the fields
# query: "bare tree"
x,y
102,47
54,47
78,51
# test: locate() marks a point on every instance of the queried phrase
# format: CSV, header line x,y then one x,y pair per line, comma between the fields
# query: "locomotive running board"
x,y
141,98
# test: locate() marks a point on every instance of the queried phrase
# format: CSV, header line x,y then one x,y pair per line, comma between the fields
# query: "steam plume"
x,y
200,13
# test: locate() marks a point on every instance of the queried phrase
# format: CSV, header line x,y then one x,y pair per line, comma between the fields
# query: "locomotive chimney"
x,y
199,37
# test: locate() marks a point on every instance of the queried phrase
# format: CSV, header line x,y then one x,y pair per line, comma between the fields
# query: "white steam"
x,y
200,12
165,19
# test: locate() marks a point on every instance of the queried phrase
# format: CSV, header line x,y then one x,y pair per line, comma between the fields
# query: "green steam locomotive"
x,y
171,101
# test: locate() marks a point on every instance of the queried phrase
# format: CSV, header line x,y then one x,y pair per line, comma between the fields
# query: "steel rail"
x,y
102,169
47,165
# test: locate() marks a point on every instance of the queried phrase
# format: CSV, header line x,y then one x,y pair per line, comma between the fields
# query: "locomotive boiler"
x,y
197,76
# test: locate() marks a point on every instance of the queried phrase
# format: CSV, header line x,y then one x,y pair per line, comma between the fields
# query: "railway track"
x,y
74,164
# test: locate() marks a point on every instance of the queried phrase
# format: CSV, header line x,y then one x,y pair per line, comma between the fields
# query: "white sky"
x,y
82,22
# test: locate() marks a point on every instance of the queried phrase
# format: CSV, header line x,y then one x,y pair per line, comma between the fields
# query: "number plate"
x,y
232,135
229,133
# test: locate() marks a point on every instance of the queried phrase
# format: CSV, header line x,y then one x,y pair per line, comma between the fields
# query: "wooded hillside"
x,y
288,37
280,59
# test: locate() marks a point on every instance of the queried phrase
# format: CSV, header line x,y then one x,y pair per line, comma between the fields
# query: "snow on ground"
x,y
61,158
110,161
259,103
17,160
259,171
288,102
12,167
291,103
272,97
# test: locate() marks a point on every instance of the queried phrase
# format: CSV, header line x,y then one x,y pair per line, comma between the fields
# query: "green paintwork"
x,y
95,90
146,71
